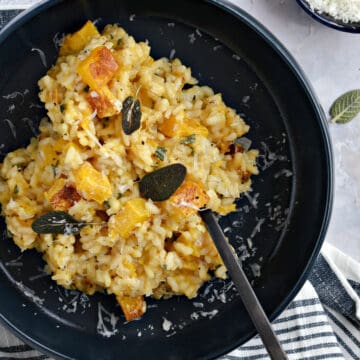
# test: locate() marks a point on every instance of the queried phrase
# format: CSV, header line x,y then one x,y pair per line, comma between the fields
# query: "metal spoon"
x,y
246,292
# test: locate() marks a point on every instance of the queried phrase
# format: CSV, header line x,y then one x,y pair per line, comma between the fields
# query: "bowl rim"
x,y
280,49
329,21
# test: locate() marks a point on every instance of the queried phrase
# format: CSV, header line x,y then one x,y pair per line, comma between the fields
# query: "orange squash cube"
x,y
125,221
189,197
98,68
103,102
62,196
92,184
77,41
132,307
173,127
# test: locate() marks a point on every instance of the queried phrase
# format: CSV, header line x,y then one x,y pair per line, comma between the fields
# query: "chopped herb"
x,y
111,36
120,195
192,153
188,140
107,204
87,88
119,42
16,190
160,153
62,107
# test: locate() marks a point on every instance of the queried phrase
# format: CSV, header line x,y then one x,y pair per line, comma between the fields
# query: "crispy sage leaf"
x,y
131,115
57,222
345,107
244,142
161,184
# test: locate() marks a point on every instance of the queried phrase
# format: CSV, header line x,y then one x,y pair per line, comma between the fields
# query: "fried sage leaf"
x,y
345,107
131,115
57,222
161,184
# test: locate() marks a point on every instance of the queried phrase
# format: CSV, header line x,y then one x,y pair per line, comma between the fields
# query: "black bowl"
x,y
278,229
328,20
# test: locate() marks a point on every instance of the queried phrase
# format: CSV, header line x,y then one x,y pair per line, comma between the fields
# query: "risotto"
x,y
116,117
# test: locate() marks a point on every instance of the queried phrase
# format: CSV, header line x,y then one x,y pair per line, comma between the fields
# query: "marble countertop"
x,y
330,59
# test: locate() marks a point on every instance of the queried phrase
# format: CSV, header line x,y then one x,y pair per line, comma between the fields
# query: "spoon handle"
x,y
246,292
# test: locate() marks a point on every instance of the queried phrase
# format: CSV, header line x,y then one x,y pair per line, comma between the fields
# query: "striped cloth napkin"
x,y
322,322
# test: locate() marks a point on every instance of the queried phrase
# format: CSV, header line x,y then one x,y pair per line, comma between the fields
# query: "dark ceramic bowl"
x,y
278,228
328,20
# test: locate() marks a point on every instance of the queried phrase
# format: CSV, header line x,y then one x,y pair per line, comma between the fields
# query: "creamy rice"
x,y
167,251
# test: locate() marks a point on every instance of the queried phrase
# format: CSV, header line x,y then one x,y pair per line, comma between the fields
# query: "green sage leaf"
x,y
159,185
57,222
345,107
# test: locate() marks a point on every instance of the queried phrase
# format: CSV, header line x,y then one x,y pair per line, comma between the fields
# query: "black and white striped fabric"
x,y
322,322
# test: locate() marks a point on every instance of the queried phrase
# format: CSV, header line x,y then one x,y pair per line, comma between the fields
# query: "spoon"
x,y
245,290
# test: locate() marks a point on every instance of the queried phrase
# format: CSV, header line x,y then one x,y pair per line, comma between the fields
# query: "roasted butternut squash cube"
x,y
96,71
132,307
173,127
103,102
77,41
62,196
56,187
92,184
189,197
98,68
125,221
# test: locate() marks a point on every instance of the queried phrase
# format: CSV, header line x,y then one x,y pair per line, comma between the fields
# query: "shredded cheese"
x,y
344,10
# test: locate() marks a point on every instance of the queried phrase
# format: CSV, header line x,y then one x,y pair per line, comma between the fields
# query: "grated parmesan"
x,y
344,10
